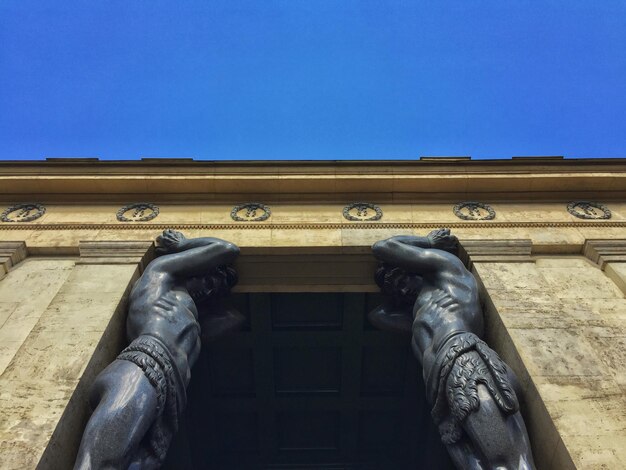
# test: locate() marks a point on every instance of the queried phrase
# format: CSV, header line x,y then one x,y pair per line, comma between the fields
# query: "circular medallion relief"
x,y
588,210
137,212
250,212
472,210
362,212
23,212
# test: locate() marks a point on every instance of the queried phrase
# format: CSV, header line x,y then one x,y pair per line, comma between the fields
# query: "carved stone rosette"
x,y
23,212
250,212
588,210
137,212
362,212
472,210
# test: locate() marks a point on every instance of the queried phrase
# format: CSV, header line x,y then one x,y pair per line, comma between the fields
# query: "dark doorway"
x,y
307,384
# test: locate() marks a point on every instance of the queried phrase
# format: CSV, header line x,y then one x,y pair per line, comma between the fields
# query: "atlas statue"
x,y
430,295
138,399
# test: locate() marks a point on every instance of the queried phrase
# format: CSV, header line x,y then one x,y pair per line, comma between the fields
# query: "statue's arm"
x,y
416,254
388,317
173,242
408,257
192,257
418,242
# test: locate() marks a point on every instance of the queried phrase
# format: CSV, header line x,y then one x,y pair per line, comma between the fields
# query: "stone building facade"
x,y
546,238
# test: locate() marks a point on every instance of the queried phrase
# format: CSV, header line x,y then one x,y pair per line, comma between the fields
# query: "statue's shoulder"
x,y
447,258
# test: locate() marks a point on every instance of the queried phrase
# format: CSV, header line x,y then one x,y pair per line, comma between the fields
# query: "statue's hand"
x,y
443,240
398,321
170,242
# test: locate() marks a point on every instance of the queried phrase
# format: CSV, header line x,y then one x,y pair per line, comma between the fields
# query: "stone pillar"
x,y
559,323
493,263
44,389
610,256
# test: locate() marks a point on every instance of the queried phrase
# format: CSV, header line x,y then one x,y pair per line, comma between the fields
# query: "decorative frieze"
x,y
319,226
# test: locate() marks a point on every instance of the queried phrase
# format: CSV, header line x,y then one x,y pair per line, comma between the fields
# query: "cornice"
x,y
398,167
525,176
415,162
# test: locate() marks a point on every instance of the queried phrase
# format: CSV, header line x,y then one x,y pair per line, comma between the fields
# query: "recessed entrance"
x,y
308,383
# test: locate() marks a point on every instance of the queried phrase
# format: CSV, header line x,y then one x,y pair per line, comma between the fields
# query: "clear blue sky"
x,y
312,79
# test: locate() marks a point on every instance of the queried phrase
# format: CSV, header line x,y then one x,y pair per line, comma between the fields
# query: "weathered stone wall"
x,y
25,293
64,318
560,322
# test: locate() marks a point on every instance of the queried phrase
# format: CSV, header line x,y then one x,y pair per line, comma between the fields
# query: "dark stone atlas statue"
x,y
138,399
431,294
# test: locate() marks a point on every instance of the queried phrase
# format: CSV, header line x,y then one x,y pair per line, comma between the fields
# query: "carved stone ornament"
x,y
588,210
250,212
23,212
362,212
472,210
137,212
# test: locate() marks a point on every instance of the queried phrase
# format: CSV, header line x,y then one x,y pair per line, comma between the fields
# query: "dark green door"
x,y
307,384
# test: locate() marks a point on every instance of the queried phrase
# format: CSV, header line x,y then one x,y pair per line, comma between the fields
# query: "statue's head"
x,y
398,283
442,239
215,284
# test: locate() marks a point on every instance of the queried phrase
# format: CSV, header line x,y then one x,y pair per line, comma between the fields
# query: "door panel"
x,y
307,383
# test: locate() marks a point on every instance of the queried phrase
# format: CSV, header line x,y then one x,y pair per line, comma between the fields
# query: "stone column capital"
x,y
603,251
11,253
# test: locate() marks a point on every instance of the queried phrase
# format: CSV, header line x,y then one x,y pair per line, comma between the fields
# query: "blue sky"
x,y
316,79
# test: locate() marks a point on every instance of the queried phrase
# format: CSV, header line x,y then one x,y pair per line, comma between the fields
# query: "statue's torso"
x,y
166,311
447,305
